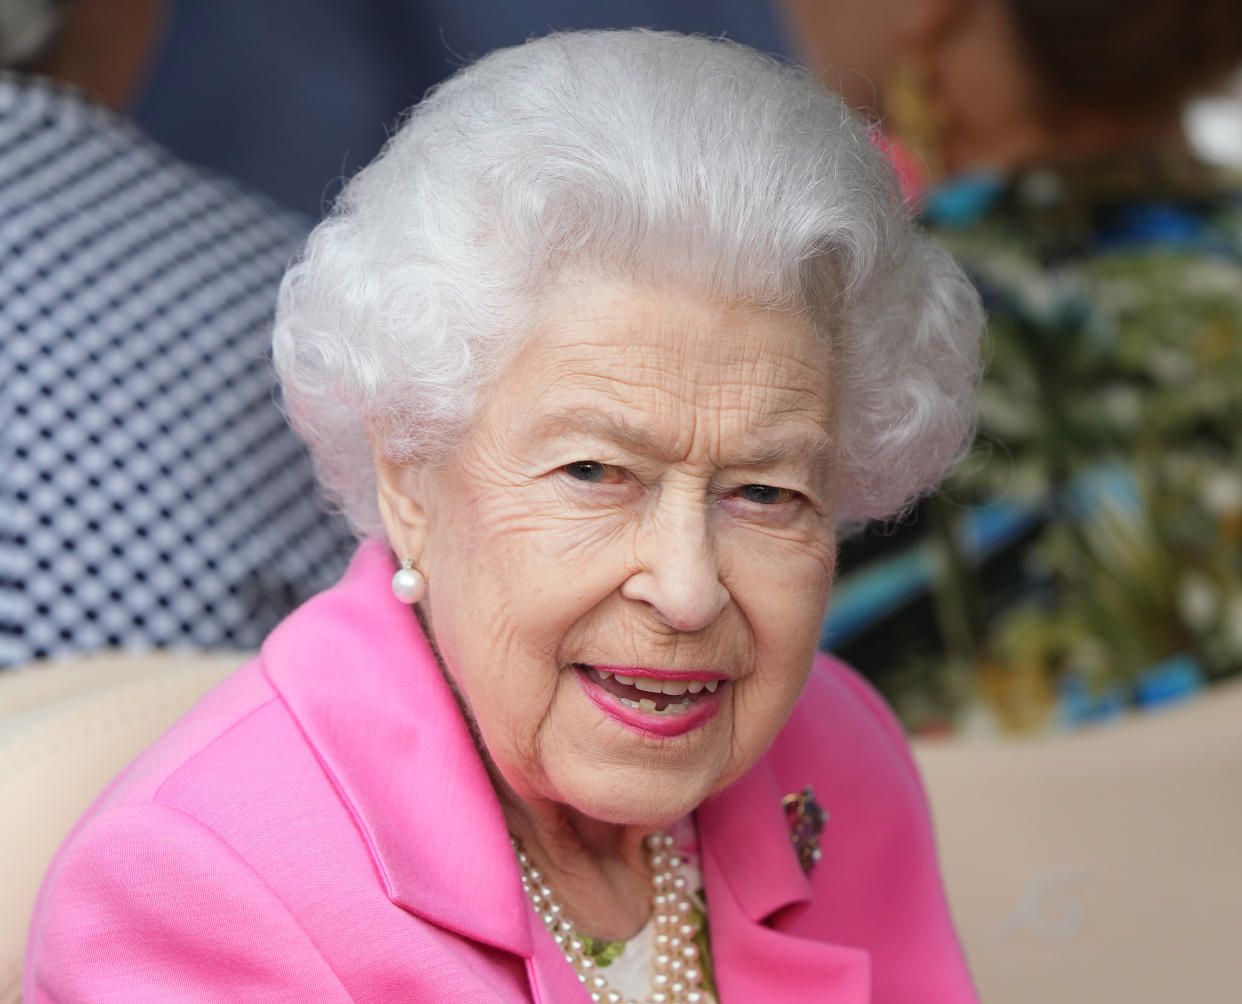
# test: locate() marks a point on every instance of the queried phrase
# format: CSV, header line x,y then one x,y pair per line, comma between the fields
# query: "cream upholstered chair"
x,y
66,729
1103,866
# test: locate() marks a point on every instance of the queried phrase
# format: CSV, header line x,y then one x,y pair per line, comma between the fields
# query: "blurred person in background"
x,y
292,96
1047,135
150,491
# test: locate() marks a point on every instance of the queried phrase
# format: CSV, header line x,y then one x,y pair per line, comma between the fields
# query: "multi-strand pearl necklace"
x,y
676,974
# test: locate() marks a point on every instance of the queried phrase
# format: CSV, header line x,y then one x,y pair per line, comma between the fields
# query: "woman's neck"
x,y
598,872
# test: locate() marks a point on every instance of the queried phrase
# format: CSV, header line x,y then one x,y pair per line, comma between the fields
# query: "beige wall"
x,y
1100,866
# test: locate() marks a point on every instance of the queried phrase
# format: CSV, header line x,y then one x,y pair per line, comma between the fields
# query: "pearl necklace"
x,y
676,975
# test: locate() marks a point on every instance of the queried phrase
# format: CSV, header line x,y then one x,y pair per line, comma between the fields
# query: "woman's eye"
x,y
766,494
593,471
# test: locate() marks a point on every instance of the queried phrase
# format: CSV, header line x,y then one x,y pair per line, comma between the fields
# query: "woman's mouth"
x,y
650,694
652,701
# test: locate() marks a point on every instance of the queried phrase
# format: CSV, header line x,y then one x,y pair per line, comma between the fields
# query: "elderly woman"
x,y
599,354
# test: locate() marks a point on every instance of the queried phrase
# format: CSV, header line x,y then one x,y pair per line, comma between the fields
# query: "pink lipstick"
x,y
652,702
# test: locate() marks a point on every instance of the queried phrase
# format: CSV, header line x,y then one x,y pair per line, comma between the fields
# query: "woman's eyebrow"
x,y
814,448
604,425
816,451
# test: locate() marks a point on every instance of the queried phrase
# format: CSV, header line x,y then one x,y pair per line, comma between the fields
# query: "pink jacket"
x,y
320,828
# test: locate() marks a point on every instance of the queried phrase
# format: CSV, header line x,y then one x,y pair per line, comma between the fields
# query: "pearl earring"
x,y
408,583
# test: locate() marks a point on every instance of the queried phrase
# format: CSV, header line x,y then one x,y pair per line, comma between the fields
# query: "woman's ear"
x,y
399,488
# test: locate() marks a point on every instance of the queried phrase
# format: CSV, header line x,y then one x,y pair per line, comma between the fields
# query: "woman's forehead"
x,y
648,369
634,331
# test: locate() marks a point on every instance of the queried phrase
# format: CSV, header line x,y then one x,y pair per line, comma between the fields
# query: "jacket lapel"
x,y
365,687
552,979
753,879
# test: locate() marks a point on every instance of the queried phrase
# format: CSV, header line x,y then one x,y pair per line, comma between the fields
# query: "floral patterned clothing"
x,y
1093,537
628,965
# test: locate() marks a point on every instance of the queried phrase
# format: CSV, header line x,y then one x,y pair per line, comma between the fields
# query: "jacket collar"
x,y
356,671
752,875
733,825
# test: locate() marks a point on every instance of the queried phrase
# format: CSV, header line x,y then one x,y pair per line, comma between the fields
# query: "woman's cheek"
x,y
782,592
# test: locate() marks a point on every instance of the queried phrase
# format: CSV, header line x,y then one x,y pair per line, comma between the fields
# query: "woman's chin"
x,y
649,816
637,797
615,772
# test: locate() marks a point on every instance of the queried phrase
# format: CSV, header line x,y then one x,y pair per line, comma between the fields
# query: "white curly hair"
x,y
650,156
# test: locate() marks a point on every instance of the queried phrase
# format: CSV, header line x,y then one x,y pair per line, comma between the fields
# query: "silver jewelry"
x,y
408,583
677,974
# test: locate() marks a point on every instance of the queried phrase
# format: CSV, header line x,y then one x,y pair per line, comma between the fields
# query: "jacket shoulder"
x,y
878,884
842,717
198,733
149,904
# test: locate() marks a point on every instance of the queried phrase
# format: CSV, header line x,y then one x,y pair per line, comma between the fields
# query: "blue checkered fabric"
x,y
151,494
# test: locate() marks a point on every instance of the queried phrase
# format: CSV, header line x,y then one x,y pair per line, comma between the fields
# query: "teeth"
x,y
649,706
673,688
633,704
649,685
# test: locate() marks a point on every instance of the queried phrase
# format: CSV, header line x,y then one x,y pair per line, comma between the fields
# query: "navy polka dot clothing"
x,y
150,491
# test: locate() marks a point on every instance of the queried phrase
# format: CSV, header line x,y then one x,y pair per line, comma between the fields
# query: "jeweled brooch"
x,y
806,819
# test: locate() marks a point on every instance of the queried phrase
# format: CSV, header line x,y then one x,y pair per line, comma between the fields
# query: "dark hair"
x,y
1122,55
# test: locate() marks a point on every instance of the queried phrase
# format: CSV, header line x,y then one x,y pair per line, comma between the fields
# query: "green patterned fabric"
x,y
1110,434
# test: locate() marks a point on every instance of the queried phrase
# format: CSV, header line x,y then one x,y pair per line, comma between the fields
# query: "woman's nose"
x,y
679,570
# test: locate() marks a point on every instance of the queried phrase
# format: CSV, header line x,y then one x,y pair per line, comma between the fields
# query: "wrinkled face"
x,y
629,559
